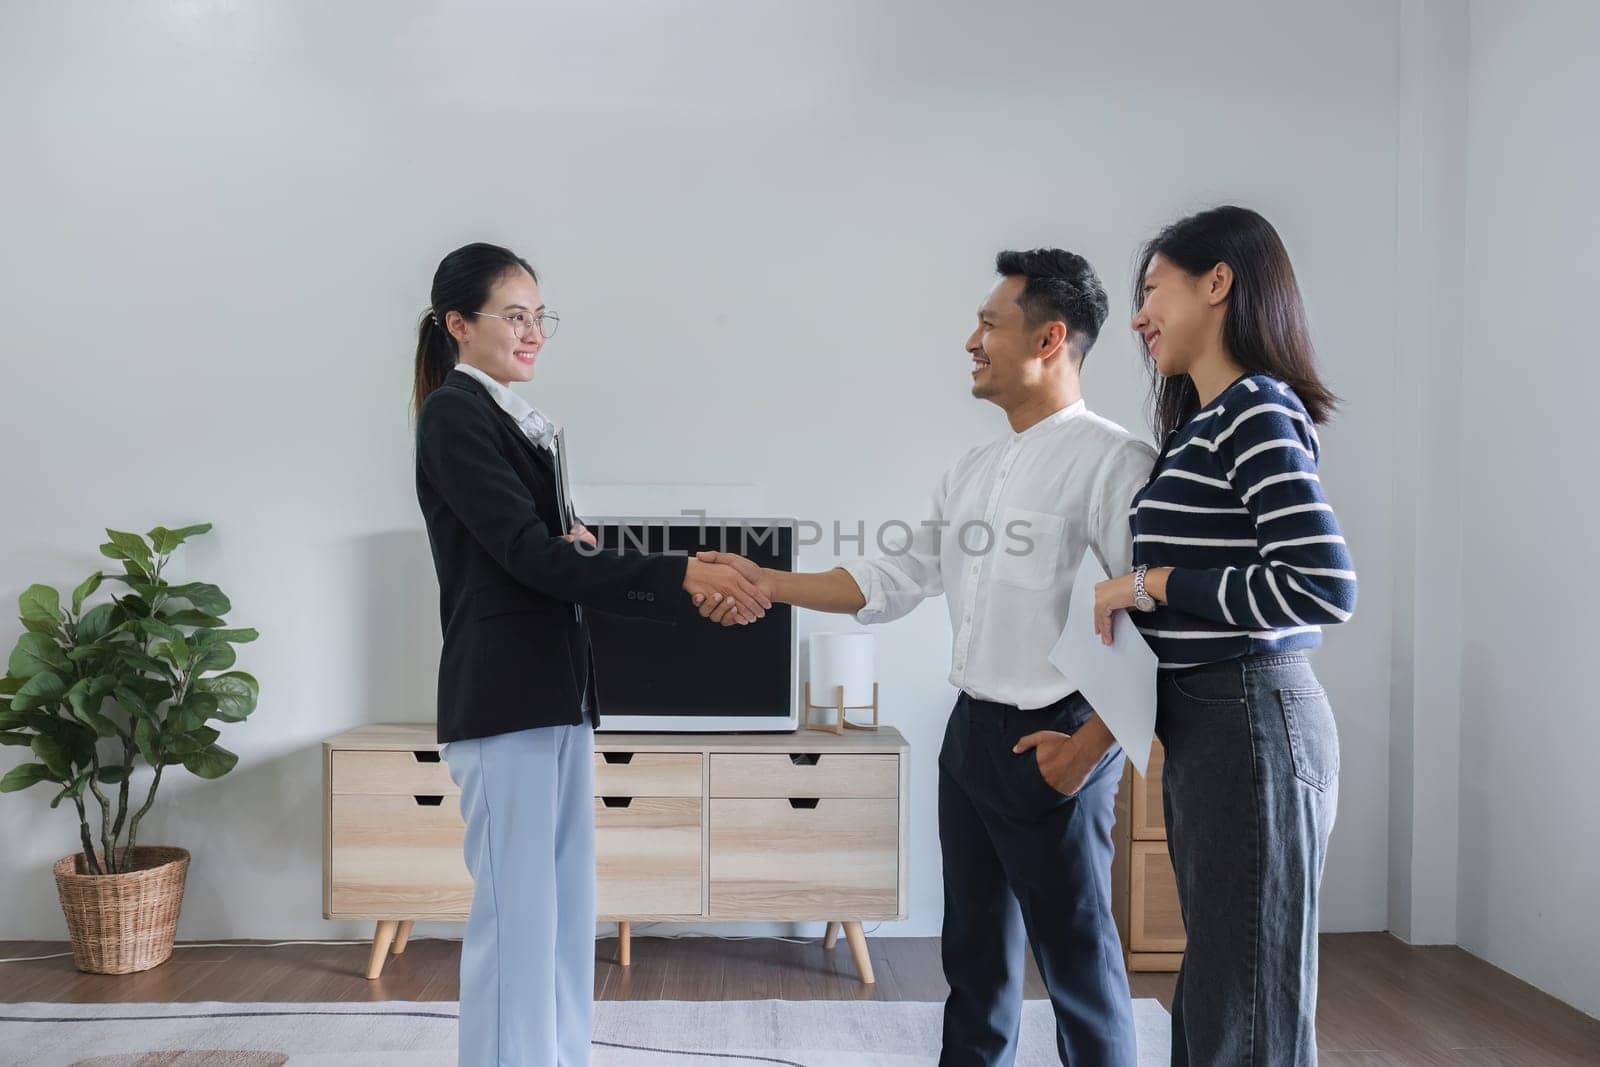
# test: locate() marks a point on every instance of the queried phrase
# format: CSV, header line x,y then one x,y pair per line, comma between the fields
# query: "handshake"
x,y
729,589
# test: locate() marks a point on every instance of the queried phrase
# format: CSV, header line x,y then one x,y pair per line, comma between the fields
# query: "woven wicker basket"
x,y
126,922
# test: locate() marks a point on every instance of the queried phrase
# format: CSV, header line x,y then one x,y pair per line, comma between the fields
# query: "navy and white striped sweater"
x,y
1234,505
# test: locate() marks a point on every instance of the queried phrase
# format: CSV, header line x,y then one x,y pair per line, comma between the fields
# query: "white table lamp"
x,y
844,674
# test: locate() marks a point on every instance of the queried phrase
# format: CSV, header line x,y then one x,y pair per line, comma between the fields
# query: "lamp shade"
x,y
846,660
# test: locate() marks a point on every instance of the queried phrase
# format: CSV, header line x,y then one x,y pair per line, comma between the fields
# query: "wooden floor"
x,y
1382,1002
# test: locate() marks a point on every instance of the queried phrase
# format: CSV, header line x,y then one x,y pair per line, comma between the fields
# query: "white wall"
x,y
1425,693
1530,856
766,226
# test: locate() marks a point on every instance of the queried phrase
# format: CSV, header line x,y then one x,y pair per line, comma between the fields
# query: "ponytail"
x,y
461,283
436,356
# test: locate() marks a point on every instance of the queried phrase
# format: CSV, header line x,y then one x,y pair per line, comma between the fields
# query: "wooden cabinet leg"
x,y
381,940
624,944
402,935
858,951
831,938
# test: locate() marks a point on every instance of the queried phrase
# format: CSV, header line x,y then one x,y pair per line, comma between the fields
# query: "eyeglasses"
x,y
546,322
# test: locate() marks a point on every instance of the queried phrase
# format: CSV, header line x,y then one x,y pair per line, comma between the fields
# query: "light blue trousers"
x,y
527,960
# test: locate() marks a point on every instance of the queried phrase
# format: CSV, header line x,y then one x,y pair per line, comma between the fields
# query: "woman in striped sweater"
x,y
1240,563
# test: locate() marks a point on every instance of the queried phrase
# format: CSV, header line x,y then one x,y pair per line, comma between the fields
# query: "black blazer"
x,y
516,652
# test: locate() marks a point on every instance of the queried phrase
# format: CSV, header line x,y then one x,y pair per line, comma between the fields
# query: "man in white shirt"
x,y
1028,774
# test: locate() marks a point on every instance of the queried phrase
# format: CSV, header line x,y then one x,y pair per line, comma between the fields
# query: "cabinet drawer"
x,y
1154,922
771,859
391,856
805,775
422,772
1149,822
647,774
648,857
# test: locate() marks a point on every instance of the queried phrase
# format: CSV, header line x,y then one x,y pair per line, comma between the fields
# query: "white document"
x,y
1120,680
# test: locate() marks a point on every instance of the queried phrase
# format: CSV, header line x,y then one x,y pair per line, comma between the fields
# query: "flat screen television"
x,y
698,676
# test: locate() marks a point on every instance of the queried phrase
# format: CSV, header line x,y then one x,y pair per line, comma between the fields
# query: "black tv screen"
x,y
697,675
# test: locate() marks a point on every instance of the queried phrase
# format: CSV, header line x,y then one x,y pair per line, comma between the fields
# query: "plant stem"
x,y
122,789
88,842
106,840
150,797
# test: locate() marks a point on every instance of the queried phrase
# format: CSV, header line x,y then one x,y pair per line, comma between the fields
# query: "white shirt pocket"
x,y
1028,548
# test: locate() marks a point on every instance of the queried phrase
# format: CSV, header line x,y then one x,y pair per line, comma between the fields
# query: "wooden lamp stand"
x,y
839,705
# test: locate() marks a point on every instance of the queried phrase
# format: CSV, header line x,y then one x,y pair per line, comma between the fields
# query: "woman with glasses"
x,y
516,700
1239,564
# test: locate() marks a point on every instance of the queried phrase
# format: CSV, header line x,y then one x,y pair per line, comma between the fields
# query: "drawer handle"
x,y
804,802
617,802
805,759
614,758
428,802
427,755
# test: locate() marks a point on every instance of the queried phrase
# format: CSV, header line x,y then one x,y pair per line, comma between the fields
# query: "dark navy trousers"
x,y
1024,864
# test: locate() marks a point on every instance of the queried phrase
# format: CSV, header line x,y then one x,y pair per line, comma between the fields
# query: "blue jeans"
x,y
527,960
1251,787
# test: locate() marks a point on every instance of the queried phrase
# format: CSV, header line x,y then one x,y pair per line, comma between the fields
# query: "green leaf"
x,y
53,754
16,737
187,616
213,762
134,606
216,658
42,626
167,541
149,590
111,774
35,653
96,623
153,690
84,653
86,589
239,637
131,700
148,739
140,661
131,545
196,740
201,704
100,724
25,774
176,652
160,628
204,596
9,685
40,603
42,690
236,694
86,696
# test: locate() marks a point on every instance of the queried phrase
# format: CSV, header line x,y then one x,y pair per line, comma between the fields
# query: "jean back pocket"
x,y
1313,736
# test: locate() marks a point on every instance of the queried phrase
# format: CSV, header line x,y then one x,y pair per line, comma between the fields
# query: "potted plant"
x,y
94,692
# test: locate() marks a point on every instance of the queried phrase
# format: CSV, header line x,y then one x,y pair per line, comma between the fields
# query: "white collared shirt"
x,y
534,423
1009,526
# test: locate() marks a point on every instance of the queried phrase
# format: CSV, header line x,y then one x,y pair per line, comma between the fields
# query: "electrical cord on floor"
x,y
414,940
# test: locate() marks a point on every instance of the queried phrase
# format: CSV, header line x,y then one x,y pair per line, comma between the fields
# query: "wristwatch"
x,y
1141,599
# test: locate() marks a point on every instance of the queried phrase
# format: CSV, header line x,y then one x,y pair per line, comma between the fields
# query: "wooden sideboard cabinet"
x,y
1144,892
688,828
